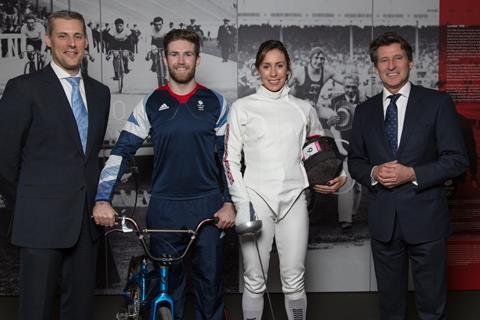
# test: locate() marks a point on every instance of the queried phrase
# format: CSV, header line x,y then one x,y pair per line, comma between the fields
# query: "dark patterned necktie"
x,y
391,123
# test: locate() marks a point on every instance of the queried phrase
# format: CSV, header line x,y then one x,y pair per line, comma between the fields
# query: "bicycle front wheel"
x,y
119,70
29,67
39,65
160,72
164,313
120,83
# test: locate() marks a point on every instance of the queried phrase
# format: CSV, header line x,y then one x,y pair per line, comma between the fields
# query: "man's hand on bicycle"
x,y
104,214
226,216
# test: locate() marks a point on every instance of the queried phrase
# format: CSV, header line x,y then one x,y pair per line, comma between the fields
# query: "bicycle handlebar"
x,y
111,51
31,53
141,236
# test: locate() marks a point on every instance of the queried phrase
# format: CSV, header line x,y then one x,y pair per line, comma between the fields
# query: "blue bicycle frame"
x,y
141,279
163,297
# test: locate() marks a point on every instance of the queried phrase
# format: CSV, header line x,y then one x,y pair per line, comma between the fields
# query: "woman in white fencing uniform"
x,y
270,128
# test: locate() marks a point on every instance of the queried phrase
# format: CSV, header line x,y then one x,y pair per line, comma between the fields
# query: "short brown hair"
x,y
268,46
182,34
67,15
387,39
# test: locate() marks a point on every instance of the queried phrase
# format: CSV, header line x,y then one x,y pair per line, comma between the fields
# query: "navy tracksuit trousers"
x,y
206,253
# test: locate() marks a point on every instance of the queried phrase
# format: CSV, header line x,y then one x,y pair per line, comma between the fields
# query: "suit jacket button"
x,y
82,188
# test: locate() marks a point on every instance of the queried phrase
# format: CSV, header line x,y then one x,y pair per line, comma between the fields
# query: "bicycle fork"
x,y
143,280
163,298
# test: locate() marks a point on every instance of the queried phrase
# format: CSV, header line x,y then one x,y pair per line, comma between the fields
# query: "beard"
x,y
181,78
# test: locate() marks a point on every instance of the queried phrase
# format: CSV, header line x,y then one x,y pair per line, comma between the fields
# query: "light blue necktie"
x,y
79,110
391,123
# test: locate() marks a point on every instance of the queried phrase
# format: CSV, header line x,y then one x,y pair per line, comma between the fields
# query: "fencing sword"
x,y
251,228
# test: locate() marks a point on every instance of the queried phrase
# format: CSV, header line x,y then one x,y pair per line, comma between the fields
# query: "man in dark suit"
x,y
52,125
226,39
405,143
340,126
344,106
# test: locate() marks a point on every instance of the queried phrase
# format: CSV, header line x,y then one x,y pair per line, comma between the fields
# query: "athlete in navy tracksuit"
x,y
187,132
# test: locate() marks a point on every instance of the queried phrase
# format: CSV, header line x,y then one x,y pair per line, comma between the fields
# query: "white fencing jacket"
x,y
270,128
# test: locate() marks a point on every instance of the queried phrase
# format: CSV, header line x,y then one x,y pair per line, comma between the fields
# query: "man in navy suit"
x,y
405,143
52,124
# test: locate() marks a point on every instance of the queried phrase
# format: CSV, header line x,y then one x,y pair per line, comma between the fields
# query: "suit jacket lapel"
x,y
411,116
60,104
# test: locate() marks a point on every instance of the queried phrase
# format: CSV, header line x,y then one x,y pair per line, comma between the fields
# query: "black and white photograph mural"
x,y
328,43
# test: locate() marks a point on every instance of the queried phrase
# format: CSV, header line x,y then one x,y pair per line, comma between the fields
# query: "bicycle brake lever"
x,y
125,228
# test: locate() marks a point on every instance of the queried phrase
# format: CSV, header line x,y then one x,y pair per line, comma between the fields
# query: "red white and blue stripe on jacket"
x,y
187,133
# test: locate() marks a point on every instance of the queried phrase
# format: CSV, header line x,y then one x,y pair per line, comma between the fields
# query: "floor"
x,y
324,306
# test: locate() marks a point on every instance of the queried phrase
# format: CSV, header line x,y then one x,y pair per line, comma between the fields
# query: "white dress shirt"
x,y
401,107
67,87
401,110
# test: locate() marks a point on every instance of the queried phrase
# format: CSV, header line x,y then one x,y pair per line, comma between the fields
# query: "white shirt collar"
x,y
273,95
61,73
350,99
404,91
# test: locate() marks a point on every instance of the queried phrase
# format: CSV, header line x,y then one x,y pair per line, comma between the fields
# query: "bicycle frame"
x,y
34,62
118,57
163,297
157,57
142,277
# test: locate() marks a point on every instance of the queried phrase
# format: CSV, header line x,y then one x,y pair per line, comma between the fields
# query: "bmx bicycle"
x,y
118,58
144,301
